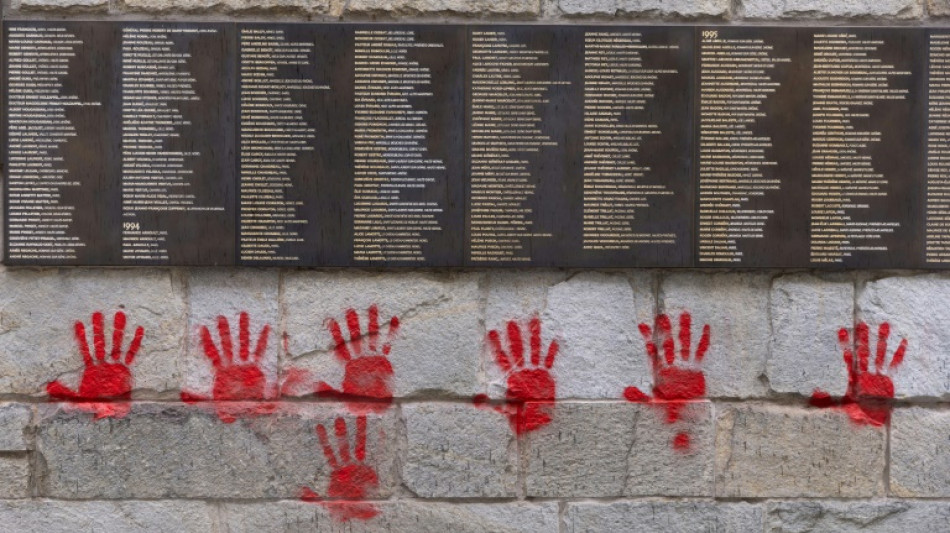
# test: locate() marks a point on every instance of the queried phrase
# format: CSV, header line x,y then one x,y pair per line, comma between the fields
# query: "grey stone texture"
x,y
302,7
14,419
938,8
874,516
392,8
458,451
772,451
620,449
920,453
736,307
70,6
228,293
38,309
821,9
14,476
438,347
806,314
409,516
662,517
648,8
916,309
57,516
177,451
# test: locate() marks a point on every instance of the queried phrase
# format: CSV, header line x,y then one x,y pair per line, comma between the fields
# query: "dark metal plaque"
x,y
579,146
351,143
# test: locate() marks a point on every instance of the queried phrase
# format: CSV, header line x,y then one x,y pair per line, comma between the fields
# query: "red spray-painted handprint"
x,y
235,378
531,390
673,384
104,378
351,481
869,394
368,373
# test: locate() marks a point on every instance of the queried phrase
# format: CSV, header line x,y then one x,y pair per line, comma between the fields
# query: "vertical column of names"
x,y
737,76
849,81
938,151
274,133
40,224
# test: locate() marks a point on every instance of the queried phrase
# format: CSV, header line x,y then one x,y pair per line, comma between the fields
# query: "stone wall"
x,y
755,430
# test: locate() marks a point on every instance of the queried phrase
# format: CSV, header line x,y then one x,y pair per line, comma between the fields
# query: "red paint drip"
x,y
869,396
681,442
104,379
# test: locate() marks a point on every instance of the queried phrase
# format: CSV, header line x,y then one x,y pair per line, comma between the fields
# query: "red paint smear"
x,y
351,481
673,386
868,399
105,378
367,374
531,388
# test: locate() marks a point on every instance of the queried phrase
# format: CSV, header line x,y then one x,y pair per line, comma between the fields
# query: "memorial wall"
x,y
160,143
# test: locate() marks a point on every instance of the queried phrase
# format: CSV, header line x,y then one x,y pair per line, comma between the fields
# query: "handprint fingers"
x,y
118,330
515,343
685,335
211,351
501,358
224,332
98,336
80,330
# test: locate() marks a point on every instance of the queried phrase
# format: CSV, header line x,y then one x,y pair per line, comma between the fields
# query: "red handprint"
x,y
368,372
869,394
235,379
673,385
351,482
103,378
531,390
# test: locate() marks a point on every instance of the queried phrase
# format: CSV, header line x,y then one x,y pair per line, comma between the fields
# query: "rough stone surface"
x,y
14,477
736,307
440,338
594,316
72,6
14,418
774,452
847,517
454,7
806,314
309,7
938,8
916,308
213,293
660,8
620,449
171,450
39,307
107,517
458,451
920,453
662,517
417,517
797,9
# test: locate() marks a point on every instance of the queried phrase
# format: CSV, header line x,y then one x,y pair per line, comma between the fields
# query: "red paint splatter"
x,y
237,377
106,377
674,386
530,387
351,480
868,398
367,373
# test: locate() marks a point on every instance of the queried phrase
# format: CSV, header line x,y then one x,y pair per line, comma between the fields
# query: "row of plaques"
x,y
154,143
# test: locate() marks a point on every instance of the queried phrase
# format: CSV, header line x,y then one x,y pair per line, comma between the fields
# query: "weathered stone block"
x,y
663,517
891,516
621,449
38,309
660,8
806,314
458,451
107,517
440,338
74,6
417,517
447,7
228,293
771,451
177,451
14,476
920,453
14,419
938,8
820,9
916,309
308,7
736,307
